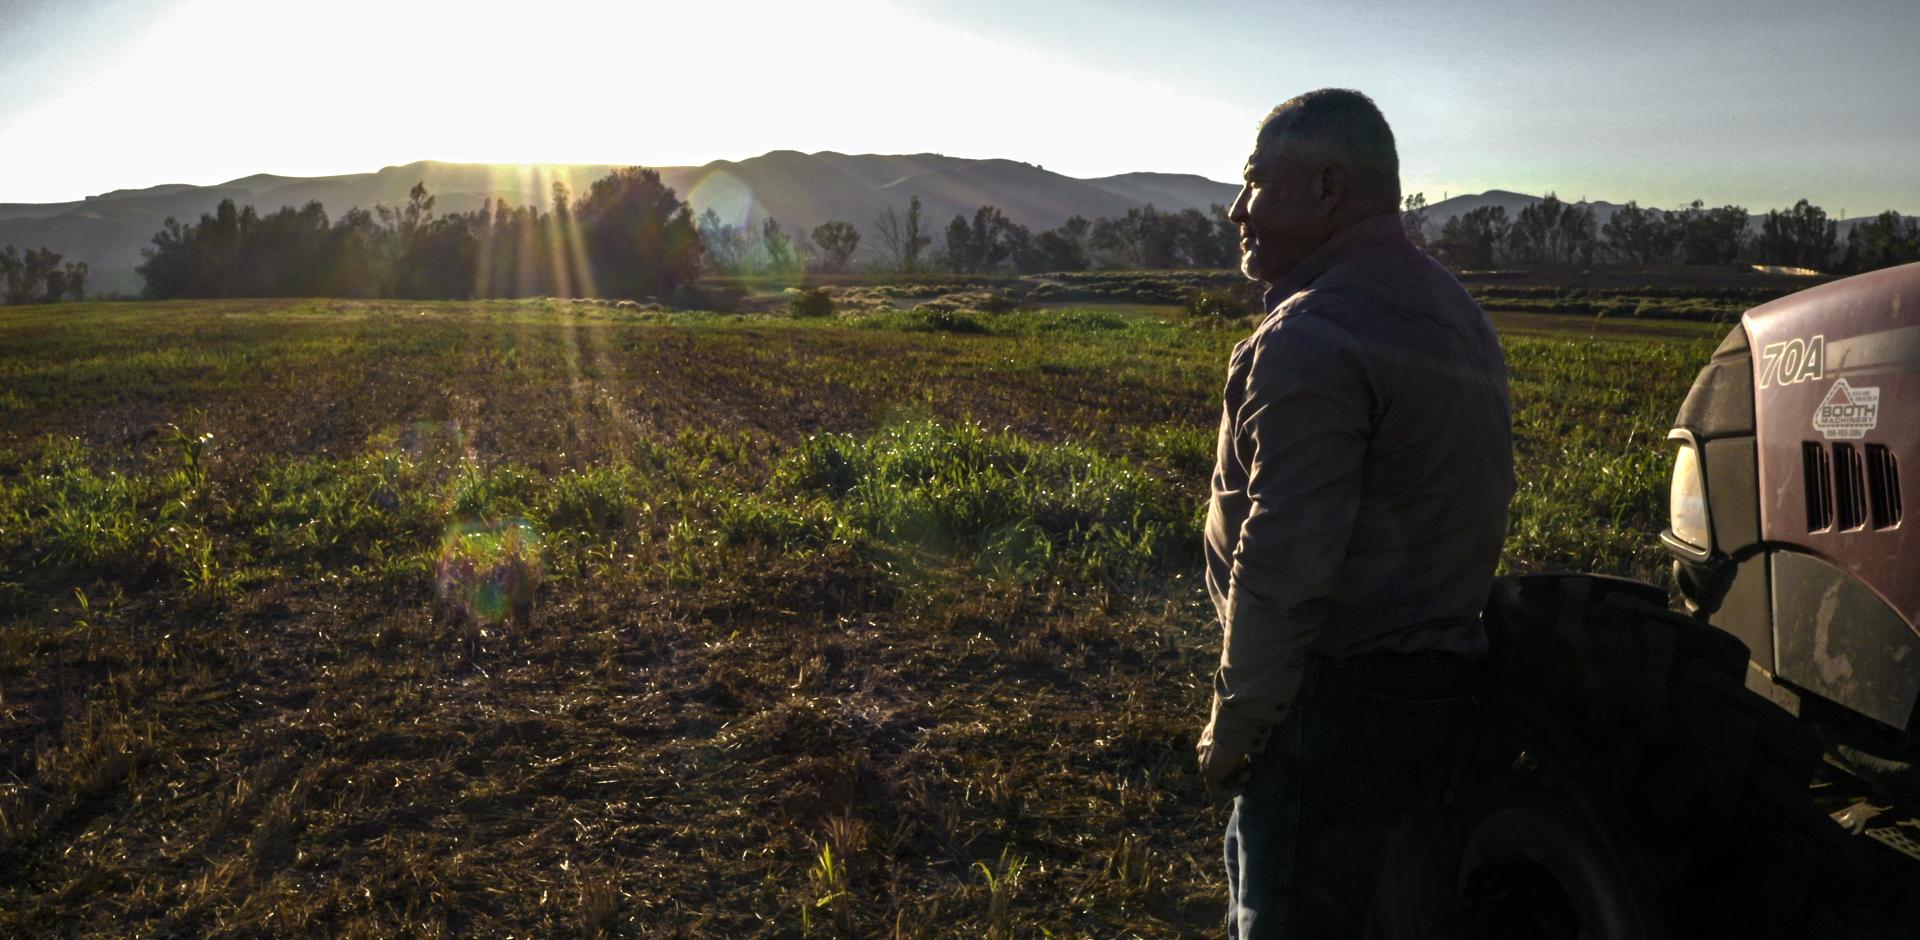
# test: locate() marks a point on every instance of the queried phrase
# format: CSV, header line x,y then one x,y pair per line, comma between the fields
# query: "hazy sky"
x,y
1756,102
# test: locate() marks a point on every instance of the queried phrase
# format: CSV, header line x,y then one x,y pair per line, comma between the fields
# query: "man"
x,y
1359,504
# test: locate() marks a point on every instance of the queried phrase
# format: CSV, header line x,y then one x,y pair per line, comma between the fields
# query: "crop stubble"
x,y
749,697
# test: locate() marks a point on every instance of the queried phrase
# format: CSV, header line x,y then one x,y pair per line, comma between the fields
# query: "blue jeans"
x,y
1307,837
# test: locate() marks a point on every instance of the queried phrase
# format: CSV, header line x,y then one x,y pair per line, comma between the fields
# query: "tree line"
x,y
1551,232
1545,234
1143,238
985,242
631,236
627,236
38,277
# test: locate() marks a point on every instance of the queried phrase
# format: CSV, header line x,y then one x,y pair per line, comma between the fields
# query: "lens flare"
x,y
488,571
727,195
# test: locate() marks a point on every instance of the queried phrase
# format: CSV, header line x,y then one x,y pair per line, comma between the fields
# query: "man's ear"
x,y
1329,188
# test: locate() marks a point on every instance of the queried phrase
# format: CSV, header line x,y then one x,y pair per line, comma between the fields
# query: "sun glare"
x,y
365,84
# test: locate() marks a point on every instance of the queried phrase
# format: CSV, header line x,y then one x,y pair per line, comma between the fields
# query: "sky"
x,y
1749,102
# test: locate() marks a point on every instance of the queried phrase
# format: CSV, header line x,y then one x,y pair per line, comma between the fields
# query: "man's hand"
x,y
1226,750
1225,770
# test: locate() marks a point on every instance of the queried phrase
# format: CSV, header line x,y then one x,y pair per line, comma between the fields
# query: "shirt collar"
x,y
1377,230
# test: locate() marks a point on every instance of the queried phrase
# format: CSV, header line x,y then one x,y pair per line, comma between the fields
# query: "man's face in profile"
x,y
1280,219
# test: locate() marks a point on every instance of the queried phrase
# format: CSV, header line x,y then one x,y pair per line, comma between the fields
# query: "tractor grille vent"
x,y
1883,481
1819,481
1847,489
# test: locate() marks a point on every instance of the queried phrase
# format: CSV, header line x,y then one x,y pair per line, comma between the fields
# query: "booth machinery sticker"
x,y
1847,412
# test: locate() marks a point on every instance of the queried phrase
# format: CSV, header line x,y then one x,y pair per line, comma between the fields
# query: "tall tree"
x,y
1710,236
993,238
1064,248
418,211
1801,237
164,265
1883,241
38,276
1553,232
892,238
1578,234
914,237
837,241
1199,244
1119,239
1024,250
725,244
359,256
775,247
1474,240
1413,217
1639,235
441,258
39,263
218,244
13,269
641,240
1226,232
1537,235
56,285
960,252
75,279
983,244
905,241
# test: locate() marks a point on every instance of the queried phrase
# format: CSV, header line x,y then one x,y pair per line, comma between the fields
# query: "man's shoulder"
x,y
1322,311
1317,321
1388,291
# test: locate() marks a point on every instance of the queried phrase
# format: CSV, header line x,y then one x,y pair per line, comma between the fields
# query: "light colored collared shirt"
x,y
1364,467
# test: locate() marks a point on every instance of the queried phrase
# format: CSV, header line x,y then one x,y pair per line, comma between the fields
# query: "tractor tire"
x,y
1536,868
1664,797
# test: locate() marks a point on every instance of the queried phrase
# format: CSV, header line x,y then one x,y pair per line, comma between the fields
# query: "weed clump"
x,y
1017,505
74,519
809,303
1078,320
1186,450
494,492
942,320
317,508
596,499
988,302
1216,306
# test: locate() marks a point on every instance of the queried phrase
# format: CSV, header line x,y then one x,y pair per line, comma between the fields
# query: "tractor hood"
x,y
1837,419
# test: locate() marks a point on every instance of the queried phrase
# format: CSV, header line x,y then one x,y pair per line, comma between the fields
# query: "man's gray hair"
x,y
1342,126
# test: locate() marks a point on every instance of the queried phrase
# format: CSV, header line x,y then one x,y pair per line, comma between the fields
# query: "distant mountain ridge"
x,y
800,190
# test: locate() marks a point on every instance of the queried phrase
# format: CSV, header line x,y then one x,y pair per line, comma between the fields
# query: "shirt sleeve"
x,y
1303,425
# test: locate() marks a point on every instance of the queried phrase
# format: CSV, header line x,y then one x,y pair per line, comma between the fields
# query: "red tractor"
x,y
1786,503
1644,773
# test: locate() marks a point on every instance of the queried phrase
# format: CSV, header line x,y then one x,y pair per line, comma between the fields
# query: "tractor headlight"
x,y
1687,501
1703,575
